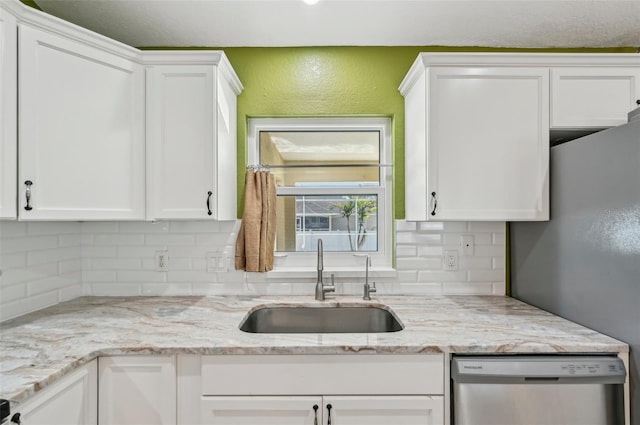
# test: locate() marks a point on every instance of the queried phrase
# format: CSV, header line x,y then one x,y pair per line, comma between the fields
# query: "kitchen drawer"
x,y
322,374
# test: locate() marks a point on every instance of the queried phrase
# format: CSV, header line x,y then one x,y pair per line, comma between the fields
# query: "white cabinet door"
x,y
180,139
81,126
191,142
297,410
593,97
8,114
71,401
137,390
477,148
383,410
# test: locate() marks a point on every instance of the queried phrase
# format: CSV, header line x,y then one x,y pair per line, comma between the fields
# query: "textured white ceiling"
x,y
228,23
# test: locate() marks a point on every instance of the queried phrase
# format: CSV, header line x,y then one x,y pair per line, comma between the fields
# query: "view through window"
x,y
332,182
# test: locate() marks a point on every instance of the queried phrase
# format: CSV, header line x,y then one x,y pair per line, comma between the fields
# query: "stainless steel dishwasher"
x,y
537,390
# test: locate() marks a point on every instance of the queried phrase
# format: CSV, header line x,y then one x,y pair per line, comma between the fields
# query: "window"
x,y
333,179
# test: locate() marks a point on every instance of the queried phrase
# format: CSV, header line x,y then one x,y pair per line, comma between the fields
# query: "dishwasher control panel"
x,y
538,367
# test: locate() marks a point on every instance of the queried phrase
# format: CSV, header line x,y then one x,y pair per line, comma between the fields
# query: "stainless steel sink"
x,y
298,319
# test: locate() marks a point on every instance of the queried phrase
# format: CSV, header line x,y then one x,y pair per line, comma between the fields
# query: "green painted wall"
x,y
334,81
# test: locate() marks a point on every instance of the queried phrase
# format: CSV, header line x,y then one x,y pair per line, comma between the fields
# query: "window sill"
x,y
339,272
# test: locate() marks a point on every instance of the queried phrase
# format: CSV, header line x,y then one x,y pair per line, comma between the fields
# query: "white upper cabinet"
x,y
81,126
477,127
191,136
593,97
8,114
476,142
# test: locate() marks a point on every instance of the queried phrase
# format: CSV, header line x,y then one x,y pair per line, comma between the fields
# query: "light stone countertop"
x,y
39,348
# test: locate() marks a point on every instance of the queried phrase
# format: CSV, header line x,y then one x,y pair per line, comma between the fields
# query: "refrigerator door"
x,y
584,264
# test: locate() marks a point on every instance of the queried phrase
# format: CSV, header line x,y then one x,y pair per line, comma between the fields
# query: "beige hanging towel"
x,y
256,238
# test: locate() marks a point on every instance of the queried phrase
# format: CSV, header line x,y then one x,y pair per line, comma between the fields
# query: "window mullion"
x,y
310,191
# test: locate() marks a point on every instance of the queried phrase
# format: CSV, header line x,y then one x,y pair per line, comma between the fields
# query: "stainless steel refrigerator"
x,y
584,263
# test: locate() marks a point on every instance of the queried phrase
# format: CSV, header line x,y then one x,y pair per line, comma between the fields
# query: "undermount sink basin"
x,y
299,319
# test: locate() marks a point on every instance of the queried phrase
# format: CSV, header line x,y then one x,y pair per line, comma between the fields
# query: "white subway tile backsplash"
x,y
52,228
419,263
104,276
475,263
53,255
146,251
90,251
44,263
100,227
53,283
406,226
406,251
196,227
455,226
10,261
144,227
487,226
110,289
117,239
166,289
41,265
141,276
442,276
115,264
430,250
12,229
11,276
431,226
191,276
485,275
467,288
170,239
27,244
68,240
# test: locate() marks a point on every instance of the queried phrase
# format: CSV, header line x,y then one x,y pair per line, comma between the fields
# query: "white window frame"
x,y
381,259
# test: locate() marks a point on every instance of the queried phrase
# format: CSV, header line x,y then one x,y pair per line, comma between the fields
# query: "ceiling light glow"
x,y
311,1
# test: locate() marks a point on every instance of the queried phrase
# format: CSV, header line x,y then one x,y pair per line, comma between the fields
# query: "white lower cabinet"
x,y
71,401
383,410
137,390
286,389
327,410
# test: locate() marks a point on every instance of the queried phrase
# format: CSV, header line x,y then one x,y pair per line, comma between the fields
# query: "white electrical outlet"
x,y
162,261
216,262
451,260
467,243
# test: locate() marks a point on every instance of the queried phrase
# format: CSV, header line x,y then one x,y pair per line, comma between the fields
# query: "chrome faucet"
x,y
367,288
321,288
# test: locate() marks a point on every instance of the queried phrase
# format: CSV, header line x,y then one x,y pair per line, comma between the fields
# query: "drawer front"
x,y
322,374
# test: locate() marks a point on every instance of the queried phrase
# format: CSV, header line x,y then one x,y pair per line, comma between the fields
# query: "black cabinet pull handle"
x,y
435,203
315,414
329,407
27,194
209,193
638,102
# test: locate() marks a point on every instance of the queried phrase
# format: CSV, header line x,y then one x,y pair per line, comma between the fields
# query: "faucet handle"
x,y
368,289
